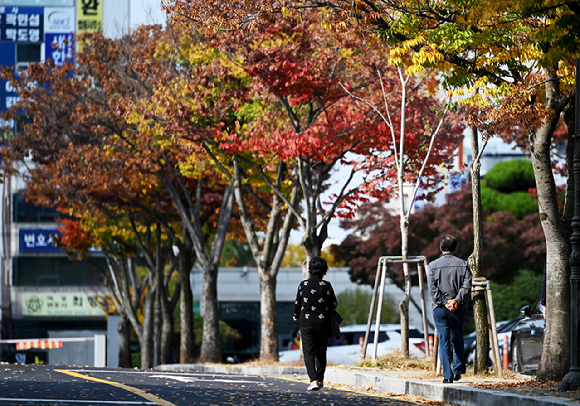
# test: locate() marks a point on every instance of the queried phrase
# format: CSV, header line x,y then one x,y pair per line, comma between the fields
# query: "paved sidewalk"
x,y
469,391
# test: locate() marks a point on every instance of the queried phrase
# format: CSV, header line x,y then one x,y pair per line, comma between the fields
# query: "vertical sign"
x,y
22,24
58,37
90,15
7,58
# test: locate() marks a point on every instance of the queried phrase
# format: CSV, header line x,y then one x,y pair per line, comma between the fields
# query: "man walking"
x,y
449,280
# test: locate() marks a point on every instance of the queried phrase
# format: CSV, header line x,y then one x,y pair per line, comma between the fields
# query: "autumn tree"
x,y
521,53
309,73
102,156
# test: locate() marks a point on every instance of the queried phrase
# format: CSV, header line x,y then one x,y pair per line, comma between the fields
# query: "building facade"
x,y
43,294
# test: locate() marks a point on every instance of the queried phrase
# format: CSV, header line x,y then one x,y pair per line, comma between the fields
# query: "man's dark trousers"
x,y
314,342
449,323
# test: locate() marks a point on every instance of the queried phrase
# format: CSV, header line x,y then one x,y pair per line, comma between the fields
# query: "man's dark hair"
x,y
448,243
317,266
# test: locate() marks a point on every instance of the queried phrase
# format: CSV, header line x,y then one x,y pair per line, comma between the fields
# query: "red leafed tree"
x,y
307,72
368,116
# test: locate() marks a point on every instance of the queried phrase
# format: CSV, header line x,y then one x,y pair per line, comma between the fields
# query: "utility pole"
x,y
572,379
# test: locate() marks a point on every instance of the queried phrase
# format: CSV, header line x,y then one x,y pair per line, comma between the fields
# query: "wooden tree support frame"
x,y
382,268
422,266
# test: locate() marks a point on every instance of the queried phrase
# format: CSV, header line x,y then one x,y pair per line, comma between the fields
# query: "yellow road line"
x,y
334,387
139,392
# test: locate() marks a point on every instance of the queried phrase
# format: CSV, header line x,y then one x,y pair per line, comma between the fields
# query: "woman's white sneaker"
x,y
314,385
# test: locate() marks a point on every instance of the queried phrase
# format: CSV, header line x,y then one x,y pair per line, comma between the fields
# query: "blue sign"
x,y
22,24
59,48
37,2
37,240
8,58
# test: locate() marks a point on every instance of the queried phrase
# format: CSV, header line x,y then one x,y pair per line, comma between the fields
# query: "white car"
x,y
347,350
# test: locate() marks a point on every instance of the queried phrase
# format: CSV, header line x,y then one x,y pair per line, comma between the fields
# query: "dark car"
x,y
527,339
503,328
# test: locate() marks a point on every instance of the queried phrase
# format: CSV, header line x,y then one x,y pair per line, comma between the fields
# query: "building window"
x,y
56,271
27,52
26,212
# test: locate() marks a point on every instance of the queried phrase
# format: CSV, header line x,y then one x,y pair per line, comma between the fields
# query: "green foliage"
x,y
236,253
520,204
506,188
516,175
354,305
509,298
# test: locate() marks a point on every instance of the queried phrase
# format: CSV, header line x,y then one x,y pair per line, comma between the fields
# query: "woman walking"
x,y
314,301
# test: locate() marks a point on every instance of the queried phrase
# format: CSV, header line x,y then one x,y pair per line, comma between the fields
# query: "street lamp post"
x,y
572,379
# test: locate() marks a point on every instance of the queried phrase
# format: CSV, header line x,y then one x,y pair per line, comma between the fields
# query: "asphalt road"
x,y
52,385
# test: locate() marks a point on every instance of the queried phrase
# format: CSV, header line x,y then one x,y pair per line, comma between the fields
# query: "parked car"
x,y
527,339
503,327
347,350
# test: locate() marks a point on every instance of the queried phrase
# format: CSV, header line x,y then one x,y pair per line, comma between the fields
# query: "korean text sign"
x,y
37,240
90,15
22,24
74,304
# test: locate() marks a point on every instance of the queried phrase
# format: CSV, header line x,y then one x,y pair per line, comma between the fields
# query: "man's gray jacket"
x,y
449,278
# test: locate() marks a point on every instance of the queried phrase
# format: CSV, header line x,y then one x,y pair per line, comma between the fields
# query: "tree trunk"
x,y
475,262
404,305
167,322
166,334
187,337
555,361
268,254
146,339
124,331
211,348
268,319
312,250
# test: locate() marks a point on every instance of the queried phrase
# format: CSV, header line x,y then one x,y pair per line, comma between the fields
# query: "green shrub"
x,y
517,203
516,175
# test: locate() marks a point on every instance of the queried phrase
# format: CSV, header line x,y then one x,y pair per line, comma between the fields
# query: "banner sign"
x,y
72,304
59,48
22,24
90,15
37,240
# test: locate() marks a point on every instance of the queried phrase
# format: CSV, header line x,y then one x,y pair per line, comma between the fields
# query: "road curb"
x,y
455,393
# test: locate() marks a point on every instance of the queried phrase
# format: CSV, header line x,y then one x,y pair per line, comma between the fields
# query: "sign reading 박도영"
x,y
63,304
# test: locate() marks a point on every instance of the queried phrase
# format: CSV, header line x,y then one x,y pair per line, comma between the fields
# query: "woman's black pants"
x,y
314,341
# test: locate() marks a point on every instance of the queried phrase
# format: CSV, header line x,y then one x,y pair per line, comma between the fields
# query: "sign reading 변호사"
x,y
22,24
72,304
37,240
